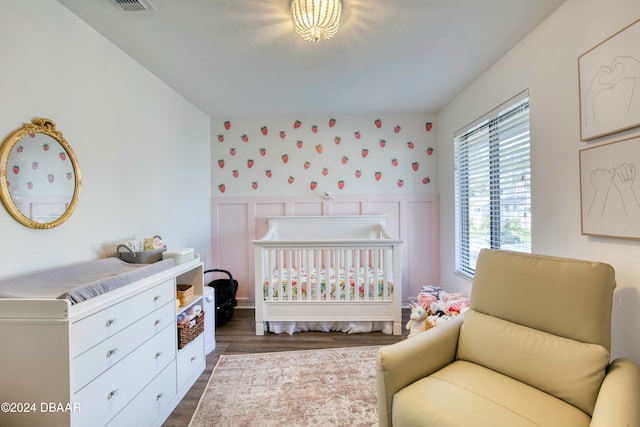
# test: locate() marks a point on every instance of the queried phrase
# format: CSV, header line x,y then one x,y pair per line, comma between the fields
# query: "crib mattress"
x,y
334,284
80,282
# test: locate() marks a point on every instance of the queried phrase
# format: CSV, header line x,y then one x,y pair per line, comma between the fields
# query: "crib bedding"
x,y
80,282
333,283
350,327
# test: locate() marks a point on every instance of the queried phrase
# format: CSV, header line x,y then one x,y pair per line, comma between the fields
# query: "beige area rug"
x,y
332,387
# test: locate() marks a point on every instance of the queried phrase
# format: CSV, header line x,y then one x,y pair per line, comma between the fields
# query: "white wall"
x,y
545,62
143,150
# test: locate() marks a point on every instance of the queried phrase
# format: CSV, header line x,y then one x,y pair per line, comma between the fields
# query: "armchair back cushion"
x,y
542,320
565,297
565,368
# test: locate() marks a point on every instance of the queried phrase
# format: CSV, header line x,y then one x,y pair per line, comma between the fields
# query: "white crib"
x,y
331,272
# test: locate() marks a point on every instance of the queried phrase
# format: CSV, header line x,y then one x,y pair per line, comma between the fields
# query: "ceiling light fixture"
x,y
316,19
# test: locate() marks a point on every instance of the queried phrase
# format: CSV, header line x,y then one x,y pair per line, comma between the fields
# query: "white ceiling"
x,y
241,57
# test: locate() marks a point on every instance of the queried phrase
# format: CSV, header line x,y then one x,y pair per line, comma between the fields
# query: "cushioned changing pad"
x,y
80,282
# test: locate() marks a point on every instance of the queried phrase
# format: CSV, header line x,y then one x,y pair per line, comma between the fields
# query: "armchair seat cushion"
x,y
466,394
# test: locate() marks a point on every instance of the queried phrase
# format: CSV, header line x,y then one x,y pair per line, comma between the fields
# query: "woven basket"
x,y
190,331
184,294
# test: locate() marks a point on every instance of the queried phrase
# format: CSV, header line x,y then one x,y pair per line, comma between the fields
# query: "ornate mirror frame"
x,y
46,127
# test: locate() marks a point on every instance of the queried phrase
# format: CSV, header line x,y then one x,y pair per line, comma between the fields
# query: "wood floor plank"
x,y
238,336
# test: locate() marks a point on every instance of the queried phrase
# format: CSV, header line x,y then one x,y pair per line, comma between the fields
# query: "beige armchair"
x,y
533,350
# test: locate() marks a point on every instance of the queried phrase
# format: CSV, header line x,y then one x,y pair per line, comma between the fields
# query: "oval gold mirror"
x,y
39,175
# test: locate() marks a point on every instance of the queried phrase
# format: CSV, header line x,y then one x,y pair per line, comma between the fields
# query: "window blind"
x,y
493,183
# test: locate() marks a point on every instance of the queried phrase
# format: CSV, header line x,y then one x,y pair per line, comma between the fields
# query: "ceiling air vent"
x,y
134,5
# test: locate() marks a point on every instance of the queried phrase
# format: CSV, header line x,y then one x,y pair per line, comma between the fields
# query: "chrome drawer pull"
x,y
157,322
193,358
111,352
112,394
110,322
159,396
156,298
158,354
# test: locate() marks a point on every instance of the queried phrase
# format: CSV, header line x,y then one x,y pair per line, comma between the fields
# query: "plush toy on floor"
x,y
417,320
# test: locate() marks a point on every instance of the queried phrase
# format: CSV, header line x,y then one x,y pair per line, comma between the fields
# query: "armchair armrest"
x,y
405,362
617,403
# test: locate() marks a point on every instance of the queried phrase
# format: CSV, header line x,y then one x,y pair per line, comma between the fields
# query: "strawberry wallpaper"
x,y
39,166
336,154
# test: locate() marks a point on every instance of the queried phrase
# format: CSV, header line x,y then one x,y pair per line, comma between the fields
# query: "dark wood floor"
x,y
238,336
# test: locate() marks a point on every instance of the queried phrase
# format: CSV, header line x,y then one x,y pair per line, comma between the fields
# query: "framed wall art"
x,y
610,189
609,80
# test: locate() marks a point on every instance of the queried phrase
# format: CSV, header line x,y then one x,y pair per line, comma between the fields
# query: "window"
x,y
493,184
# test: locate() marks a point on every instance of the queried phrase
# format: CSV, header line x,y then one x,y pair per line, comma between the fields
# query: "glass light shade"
x,y
316,19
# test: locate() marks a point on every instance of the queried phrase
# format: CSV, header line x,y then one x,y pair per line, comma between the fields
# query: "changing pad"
x,y
80,282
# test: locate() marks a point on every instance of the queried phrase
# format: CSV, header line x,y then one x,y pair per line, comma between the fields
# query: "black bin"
x,y
225,293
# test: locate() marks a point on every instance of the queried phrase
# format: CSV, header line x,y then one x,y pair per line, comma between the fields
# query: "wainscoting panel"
x,y
236,221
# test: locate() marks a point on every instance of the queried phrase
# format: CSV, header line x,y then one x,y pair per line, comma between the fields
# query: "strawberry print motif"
x,y
50,178
319,148
221,163
314,128
428,126
357,134
285,158
263,151
378,123
297,124
69,175
220,138
410,145
429,151
358,173
264,130
222,188
45,147
291,180
299,144
396,129
337,140
227,125
283,134
325,171
62,155
378,175
313,185
254,185
250,163
340,184
245,138
415,166
400,183
30,185
232,151
16,169
268,173
306,165
365,152
35,165
344,160
20,149
426,180
382,143
394,162
235,173
332,122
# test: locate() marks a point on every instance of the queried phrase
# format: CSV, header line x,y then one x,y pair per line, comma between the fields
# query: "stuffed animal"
x,y
417,320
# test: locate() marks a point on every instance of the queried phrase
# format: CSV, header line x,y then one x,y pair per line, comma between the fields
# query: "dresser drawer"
x,y
91,330
191,360
151,401
104,397
106,354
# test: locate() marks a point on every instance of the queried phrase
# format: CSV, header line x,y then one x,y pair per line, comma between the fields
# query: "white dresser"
x,y
111,361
